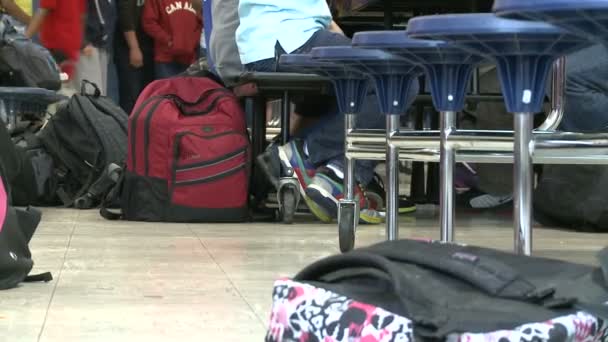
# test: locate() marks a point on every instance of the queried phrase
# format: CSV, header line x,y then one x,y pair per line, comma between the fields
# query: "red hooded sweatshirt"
x,y
175,27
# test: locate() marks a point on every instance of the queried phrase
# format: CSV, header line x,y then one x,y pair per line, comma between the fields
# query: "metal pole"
x,y
255,107
285,116
522,182
446,165
349,175
392,176
558,96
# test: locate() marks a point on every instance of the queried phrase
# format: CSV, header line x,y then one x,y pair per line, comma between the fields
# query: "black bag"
x,y
24,63
85,137
35,183
440,289
573,197
17,226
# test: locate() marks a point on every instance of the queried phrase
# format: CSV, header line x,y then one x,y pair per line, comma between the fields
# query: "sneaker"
x,y
488,201
475,199
292,156
375,192
327,189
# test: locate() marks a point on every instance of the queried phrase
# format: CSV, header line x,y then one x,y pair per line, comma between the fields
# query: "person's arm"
x,y
128,27
136,57
36,22
15,11
151,23
333,27
87,37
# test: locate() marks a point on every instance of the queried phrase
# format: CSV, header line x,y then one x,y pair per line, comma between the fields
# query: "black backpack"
x,y
24,63
17,226
35,183
573,197
448,288
85,136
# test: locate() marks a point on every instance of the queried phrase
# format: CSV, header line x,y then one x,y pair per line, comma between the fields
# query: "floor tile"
x,y
134,281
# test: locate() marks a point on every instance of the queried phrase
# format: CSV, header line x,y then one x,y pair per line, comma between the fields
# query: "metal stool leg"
x,y
522,182
348,209
349,176
285,117
392,176
558,91
255,109
447,162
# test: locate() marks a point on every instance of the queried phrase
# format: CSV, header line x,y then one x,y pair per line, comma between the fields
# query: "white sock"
x,y
336,170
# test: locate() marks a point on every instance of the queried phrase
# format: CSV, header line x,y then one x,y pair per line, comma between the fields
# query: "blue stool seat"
x,y
31,95
392,74
523,50
350,85
588,18
447,66
27,101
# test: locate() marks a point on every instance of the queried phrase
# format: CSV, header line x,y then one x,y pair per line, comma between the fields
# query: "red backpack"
x,y
188,154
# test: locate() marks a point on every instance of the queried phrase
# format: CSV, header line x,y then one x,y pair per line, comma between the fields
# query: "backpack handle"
x,y
488,274
83,88
183,104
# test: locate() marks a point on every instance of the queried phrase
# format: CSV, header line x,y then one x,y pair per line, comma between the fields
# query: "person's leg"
x,y
103,66
89,68
130,79
162,70
324,144
167,70
586,107
113,86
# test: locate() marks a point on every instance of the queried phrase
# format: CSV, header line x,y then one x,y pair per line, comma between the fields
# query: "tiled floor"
x,y
120,281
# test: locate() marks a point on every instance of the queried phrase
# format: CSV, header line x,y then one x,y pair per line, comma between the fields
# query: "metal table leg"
x,y
447,162
348,209
522,182
392,176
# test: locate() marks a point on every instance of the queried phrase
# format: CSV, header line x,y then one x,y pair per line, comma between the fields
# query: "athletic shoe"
x,y
476,199
292,156
375,192
488,201
327,189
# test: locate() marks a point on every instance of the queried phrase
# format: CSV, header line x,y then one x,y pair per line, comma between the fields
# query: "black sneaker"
x,y
375,192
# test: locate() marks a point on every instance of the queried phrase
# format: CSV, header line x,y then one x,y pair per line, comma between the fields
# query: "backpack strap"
x,y
42,277
111,197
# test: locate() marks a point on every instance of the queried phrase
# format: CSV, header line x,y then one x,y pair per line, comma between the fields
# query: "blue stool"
x,y
448,69
392,77
22,101
588,18
524,53
351,88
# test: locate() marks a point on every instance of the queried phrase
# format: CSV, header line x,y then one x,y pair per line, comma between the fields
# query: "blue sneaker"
x,y
327,189
292,156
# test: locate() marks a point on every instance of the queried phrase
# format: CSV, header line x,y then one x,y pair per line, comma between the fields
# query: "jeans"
x,y
93,68
586,107
325,140
166,70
